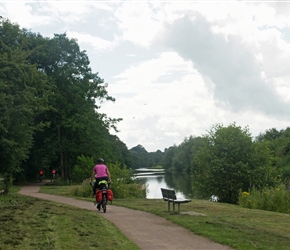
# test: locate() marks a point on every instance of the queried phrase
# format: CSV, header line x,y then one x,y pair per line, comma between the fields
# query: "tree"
x,y
229,162
74,120
23,95
278,142
50,106
169,154
184,154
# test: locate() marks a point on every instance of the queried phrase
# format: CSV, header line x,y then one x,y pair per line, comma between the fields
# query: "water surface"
x,y
157,178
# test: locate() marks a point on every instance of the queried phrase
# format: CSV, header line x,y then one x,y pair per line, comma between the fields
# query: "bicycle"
x,y
103,195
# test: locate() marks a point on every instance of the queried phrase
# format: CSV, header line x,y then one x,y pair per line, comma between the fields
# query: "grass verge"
x,y
237,227
30,223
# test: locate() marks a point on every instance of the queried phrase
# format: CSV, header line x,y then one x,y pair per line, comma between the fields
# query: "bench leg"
x,y
178,208
168,206
173,207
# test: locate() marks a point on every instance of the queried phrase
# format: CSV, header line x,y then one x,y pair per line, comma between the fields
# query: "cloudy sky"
x,y
176,68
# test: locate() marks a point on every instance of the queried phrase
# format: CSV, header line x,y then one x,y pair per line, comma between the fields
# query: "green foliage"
x,y
270,199
230,161
122,183
132,190
23,96
184,154
167,161
120,175
49,103
140,158
75,124
179,158
279,144
83,190
83,169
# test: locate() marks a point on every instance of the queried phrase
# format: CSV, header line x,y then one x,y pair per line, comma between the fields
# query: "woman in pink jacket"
x,y
100,172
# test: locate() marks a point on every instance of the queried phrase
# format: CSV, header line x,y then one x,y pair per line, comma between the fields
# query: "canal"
x,y
155,179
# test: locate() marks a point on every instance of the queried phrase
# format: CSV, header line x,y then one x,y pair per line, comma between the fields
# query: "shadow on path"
x,y
146,230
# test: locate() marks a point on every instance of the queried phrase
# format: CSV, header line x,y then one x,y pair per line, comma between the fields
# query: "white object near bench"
x,y
169,195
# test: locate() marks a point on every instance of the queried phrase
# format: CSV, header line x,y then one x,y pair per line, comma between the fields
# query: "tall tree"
x,y
75,101
22,98
229,162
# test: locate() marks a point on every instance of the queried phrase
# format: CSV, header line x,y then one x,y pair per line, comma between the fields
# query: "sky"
x,y
177,68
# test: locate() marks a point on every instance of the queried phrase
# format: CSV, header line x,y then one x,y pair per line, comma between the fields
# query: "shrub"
x,y
270,199
83,169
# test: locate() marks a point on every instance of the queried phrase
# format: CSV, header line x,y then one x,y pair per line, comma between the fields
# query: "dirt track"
x,y
148,231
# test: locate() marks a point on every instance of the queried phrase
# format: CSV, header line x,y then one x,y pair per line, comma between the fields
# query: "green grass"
x,y
232,225
30,223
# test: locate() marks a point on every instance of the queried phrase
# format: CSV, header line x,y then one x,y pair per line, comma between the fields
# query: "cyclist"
x,y
40,175
100,172
53,172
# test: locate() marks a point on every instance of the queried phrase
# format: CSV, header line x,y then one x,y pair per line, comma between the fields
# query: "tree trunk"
x,y
61,163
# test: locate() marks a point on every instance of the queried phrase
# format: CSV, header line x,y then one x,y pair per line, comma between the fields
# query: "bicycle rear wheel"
x,y
104,203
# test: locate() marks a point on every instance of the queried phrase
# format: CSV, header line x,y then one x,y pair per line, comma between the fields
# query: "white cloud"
x,y
230,64
23,14
138,23
98,43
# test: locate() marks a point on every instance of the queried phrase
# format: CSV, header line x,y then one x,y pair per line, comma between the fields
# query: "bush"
x,y
270,199
123,185
83,169
132,190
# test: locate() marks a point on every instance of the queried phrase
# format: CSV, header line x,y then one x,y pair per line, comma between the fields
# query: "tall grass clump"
x,y
82,190
270,199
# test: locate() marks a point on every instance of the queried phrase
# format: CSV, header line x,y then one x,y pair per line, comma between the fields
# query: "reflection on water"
x,y
157,178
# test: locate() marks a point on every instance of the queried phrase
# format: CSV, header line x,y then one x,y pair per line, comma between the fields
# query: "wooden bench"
x,y
169,195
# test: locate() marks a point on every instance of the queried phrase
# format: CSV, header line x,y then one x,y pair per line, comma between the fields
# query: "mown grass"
x,y
29,223
227,224
232,225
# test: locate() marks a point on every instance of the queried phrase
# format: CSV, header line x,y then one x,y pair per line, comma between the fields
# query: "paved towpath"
x,y
146,230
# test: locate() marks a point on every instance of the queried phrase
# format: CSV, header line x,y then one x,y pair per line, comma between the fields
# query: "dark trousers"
x,y
97,186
